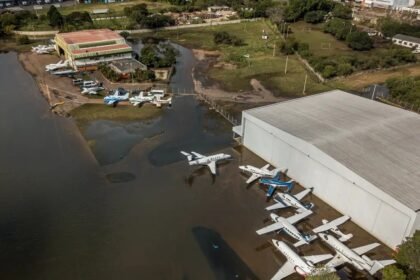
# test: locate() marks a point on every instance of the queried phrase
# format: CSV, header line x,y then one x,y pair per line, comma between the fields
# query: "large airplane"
x,y
303,265
197,159
353,256
284,200
116,96
257,173
287,225
274,183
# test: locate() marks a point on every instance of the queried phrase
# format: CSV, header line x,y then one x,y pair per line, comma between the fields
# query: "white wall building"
x,y
362,157
406,41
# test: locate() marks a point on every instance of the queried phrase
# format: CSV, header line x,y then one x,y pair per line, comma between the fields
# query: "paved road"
x,y
140,31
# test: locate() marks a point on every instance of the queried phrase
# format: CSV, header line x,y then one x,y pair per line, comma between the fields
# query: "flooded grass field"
x,y
132,209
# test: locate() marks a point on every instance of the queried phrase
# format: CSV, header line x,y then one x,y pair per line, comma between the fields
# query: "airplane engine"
x,y
300,271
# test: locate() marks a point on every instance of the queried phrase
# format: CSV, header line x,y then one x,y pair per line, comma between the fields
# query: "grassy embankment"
x,y
87,113
115,10
323,44
263,66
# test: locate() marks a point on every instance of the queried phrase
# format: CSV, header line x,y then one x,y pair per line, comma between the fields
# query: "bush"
x,y
329,71
125,34
359,41
344,69
54,17
222,37
289,46
338,27
342,11
23,40
391,272
314,16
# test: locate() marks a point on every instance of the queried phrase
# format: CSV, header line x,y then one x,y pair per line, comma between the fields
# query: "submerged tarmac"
x,y
140,212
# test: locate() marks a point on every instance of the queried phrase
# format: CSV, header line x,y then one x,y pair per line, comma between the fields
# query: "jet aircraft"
x,y
303,265
284,200
198,159
274,183
257,173
353,256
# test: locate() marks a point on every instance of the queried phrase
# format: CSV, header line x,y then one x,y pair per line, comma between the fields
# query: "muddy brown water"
x,y
146,215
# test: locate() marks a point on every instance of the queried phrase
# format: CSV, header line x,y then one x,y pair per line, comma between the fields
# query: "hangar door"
x,y
258,140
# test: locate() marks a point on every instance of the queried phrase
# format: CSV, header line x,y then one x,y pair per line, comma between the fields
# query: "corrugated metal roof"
x,y
378,142
407,38
89,36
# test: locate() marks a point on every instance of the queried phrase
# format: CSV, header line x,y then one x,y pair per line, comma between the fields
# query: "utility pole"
x,y
274,50
285,66
304,84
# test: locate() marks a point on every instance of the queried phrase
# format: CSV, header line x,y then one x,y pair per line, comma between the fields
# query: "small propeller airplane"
x,y
333,227
353,256
287,225
284,200
92,90
198,159
304,265
274,183
257,173
116,96
56,66
43,49
139,99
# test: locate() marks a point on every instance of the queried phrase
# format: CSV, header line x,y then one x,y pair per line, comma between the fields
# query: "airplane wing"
x,y
363,249
287,269
318,258
302,194
336,261
253,178
296,218
270,228
197,155
212,166
331,224
265,167
278,205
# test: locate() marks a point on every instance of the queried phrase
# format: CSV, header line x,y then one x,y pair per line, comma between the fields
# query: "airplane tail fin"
x,y
308,239
290,185
345,237
377,265
188,155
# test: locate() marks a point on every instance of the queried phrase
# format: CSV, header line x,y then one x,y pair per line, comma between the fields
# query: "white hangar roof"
x,y
378,142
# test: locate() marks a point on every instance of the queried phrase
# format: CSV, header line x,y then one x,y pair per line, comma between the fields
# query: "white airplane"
x,y
287,225
333,227
353,256
257,173
139,99
43,49
303,265
287,200
91,90
56,66
197,159
158,101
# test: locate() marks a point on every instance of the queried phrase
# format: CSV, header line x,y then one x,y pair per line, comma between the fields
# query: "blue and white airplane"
x,y
116,96
275,182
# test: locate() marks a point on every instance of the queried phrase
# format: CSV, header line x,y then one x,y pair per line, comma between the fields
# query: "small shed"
x,y
125,67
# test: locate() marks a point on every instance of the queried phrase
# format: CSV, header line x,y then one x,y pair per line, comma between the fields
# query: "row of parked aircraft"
x,y
43,49
306,265
327,232
154,97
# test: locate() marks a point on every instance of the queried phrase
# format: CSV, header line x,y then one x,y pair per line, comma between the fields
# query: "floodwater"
x,y
145,215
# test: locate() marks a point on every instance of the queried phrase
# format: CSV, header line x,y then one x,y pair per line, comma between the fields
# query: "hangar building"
x,y
87,48
361,156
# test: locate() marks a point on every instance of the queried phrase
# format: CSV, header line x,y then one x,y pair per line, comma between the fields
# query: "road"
x,y
141,31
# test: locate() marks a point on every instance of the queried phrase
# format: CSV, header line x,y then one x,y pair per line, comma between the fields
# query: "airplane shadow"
x,y
223,260
189,180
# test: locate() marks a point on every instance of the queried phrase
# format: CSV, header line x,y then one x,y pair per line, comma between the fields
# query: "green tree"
x,y
359,41
338,27
329,71
392,272
54,17
314,16
409,252
125,34
23,40
223,37
342,11
325,275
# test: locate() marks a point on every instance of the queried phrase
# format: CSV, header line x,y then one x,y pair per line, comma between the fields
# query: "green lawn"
x,y
91,112
263,66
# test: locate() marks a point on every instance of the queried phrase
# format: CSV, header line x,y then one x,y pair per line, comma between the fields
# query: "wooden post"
x,y
285,66
274,50
304,84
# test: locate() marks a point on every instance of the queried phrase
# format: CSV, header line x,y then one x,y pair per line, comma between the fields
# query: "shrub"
x,y
314,16
223,37
23,40
359,41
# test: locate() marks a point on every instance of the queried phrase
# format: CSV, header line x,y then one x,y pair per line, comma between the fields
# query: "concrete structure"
x,y
85,49
126,67
362,157
406,41
389,3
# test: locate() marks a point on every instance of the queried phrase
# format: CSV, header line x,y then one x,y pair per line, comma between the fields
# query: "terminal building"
x,y
86,49
361,156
